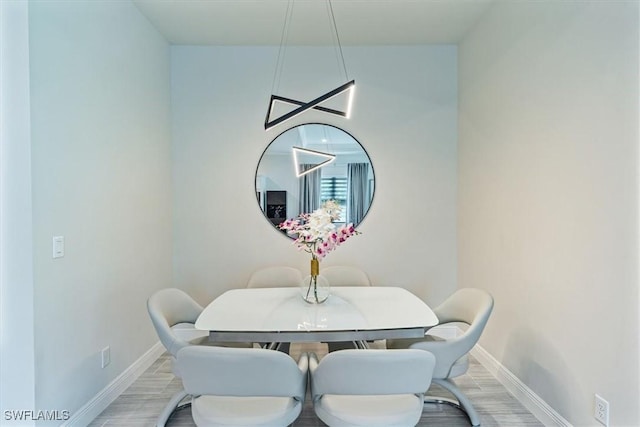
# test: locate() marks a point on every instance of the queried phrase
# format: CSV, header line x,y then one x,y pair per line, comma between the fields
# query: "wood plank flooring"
x,y
140,404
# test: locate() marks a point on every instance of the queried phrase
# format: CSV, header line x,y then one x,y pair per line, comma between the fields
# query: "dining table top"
x,y
350,313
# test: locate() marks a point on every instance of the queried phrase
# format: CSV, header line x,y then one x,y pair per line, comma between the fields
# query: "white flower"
x,y
320,224
333,209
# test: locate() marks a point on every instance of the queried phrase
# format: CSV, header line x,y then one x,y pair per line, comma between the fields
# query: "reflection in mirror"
x,y
298,172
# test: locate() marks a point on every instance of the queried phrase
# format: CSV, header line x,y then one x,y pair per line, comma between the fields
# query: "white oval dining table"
x,y
358,313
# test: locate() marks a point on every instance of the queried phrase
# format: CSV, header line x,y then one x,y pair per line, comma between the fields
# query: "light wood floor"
x,y
140,404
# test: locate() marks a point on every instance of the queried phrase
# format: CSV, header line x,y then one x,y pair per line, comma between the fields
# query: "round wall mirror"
x,y
309,164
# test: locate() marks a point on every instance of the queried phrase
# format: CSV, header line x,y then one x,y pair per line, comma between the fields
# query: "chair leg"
x,y
463,401
279,346
171,406
342,345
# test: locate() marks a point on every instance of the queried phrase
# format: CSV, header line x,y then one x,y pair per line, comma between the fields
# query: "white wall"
x,y
102,178
405,116
16,252
548,197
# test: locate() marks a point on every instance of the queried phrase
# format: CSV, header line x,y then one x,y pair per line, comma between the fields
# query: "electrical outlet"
x,y
106,356
601,411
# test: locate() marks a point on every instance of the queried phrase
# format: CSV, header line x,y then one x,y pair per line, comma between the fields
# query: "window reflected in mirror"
x,y
298,172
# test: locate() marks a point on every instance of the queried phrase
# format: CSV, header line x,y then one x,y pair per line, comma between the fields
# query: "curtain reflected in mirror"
x,y
309,189
357,181
348,179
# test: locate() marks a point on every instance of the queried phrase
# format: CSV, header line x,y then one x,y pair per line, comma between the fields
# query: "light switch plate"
x,y
58,246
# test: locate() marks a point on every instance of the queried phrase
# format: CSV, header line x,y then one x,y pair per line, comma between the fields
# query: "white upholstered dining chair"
x,y
173,314
372,388
243,387
472,307
275,277
345,275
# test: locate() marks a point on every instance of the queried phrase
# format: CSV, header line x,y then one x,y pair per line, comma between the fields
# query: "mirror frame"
x,y
260,194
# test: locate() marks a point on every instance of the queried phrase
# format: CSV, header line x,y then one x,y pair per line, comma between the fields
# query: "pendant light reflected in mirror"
x,y
305,156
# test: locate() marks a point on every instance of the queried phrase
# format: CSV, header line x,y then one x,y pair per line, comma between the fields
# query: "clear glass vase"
x,y
315,288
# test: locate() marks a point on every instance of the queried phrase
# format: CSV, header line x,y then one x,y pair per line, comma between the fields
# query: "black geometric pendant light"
x,y
315,104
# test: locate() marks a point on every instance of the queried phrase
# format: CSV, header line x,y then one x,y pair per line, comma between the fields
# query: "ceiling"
x,y
359,22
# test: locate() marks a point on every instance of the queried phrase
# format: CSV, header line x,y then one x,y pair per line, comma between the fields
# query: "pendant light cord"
x,y
282,50
335,28
284,39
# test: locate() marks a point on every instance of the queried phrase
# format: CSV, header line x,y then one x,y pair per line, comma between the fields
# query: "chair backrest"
x,y
226,371
372,372
344,275
275,277
468,305
167,308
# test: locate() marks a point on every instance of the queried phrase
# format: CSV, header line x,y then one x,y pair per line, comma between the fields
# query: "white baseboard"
x,y
107,395
530,400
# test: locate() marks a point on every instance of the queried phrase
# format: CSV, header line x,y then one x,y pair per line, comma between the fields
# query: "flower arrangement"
x,y
317,234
